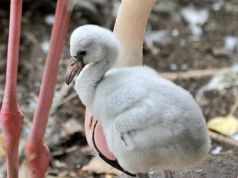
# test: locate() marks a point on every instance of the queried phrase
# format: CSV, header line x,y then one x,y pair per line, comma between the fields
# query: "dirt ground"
x,y
171,46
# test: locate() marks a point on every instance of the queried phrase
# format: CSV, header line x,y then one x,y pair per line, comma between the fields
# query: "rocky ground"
x,y
188,41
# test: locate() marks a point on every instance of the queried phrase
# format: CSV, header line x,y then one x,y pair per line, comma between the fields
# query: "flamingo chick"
x,y
149,122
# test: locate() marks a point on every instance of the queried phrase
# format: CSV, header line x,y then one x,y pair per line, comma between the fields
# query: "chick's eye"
x,y
81,53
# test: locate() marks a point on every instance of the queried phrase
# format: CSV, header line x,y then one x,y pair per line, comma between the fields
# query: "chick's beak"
x,y
73,69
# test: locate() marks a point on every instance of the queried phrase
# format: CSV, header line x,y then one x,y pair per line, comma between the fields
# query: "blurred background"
x,y
192,42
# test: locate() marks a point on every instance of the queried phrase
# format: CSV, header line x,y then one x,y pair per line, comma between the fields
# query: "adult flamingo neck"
x,y
130,29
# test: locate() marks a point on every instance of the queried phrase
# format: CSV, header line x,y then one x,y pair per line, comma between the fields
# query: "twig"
x,y
222,139
59,99
67,99
78,109
191,74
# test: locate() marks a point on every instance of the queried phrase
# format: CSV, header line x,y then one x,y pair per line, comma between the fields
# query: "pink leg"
x,y
37,153
11,117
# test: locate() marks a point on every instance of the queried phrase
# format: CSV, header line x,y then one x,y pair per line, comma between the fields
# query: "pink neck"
x,y
130,29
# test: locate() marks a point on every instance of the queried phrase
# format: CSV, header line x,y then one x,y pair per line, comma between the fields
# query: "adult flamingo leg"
x,y
11,117
37,152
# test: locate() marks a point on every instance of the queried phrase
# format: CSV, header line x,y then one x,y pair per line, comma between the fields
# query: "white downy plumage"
x,y
149,122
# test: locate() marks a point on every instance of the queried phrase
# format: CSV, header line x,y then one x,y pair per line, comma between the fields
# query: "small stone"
x,y
45,46
175,32
49,19
72,126
230,43
216,150
173,67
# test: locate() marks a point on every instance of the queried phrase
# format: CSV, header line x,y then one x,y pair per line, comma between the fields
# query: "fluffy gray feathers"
x,y
149,122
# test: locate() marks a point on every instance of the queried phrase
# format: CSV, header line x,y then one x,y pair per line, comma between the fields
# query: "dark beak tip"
x,y
67,83
73,69
68,79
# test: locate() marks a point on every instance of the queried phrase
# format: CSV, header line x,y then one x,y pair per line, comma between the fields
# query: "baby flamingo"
x,y
149,123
